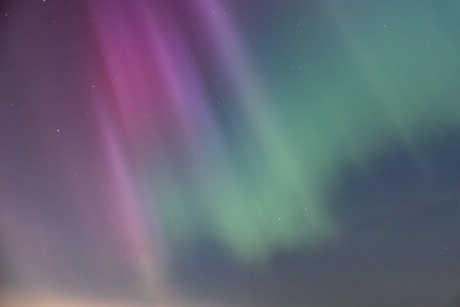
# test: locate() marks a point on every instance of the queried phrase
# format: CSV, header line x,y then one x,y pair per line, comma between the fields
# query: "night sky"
x,y
230,153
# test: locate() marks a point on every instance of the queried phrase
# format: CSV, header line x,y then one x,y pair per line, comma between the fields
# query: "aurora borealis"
x,y
208,148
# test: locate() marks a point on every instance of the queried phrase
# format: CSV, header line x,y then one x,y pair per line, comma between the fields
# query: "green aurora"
x,y
322,86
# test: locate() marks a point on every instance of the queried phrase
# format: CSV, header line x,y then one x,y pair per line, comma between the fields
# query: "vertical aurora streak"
x,y
140,136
